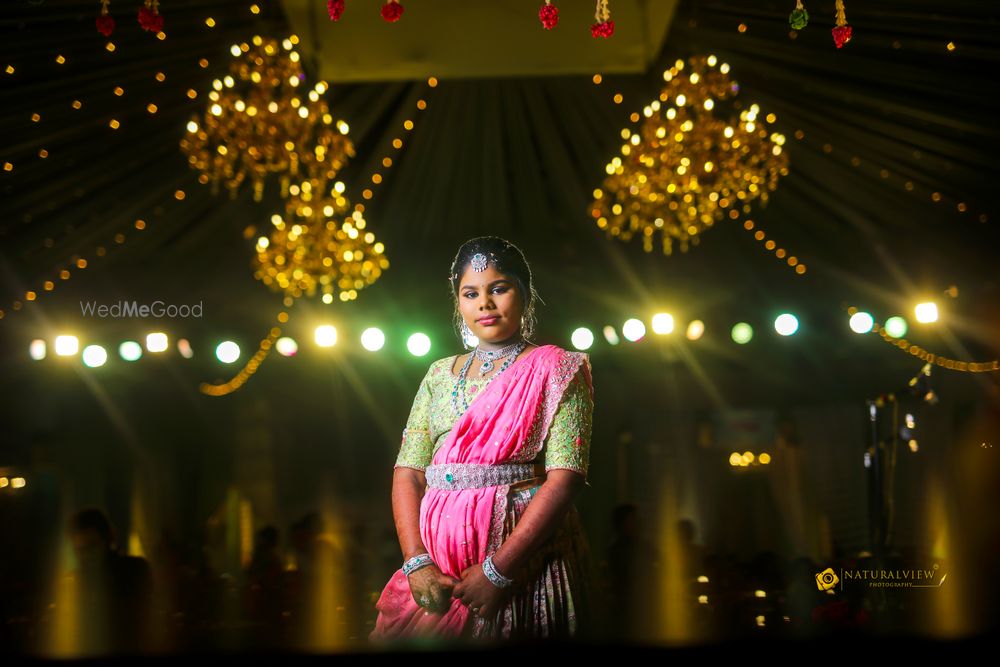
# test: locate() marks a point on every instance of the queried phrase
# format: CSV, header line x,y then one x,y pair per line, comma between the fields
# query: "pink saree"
x,y
506,423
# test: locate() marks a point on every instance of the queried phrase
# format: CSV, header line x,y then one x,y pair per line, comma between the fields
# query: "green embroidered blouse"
x,y
567,444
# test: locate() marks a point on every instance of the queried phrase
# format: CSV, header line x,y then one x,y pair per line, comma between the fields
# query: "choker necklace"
x,y
488,356
510,351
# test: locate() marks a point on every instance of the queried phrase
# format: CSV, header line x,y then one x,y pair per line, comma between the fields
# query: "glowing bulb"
x,y
156,342
326,335
372,339
786,324
610,335
227,352
742,333
286,346
926,312
418,344
896,327
94,356
130,350
861,322
663,323
67,345
582,338
633,329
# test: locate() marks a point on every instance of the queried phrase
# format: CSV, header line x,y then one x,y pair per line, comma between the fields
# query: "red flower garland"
x,y
105,24
841,35
548,15
335,8
604,30
604,27
842,32
391,11
149,16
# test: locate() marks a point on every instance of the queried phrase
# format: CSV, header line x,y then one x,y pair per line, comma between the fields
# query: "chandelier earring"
x,y
466,333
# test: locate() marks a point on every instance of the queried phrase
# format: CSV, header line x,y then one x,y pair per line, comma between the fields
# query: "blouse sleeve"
x,y
417,448
568,442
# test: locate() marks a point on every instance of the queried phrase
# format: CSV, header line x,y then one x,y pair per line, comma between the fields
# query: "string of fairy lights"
x,y
65,270
661,325
931,192
377,178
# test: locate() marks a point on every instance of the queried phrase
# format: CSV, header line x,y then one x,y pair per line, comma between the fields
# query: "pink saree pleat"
x,y
506,423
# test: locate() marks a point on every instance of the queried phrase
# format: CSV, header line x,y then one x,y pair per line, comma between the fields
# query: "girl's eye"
x,y
496,290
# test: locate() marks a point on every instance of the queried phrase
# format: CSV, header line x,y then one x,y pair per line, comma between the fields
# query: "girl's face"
x,y
489,293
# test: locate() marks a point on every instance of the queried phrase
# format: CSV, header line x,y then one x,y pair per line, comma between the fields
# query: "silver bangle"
x,y
417,562
490,570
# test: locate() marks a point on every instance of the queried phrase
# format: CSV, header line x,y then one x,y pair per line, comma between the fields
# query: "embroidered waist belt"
x,y
451,476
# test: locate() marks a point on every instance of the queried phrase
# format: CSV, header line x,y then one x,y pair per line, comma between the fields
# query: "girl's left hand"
x,y
479,593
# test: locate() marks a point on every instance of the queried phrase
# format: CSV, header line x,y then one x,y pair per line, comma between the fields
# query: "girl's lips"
x,y
487,322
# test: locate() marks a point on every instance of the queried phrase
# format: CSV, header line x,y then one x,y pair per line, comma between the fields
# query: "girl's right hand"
x,y
431,588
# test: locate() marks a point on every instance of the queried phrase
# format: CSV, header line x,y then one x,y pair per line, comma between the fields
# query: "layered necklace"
x,y
510,351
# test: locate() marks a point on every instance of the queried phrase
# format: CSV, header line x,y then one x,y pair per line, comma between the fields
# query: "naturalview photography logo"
x,y
135,309
828,579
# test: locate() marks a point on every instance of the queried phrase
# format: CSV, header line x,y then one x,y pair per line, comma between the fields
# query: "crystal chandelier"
x,y
697,157
260,119
318,245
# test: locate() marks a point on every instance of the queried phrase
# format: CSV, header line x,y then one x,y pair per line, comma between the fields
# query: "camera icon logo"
x,y
826,579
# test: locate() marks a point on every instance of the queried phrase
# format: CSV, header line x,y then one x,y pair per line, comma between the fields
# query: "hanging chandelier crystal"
x,y
697,157
260,120
318,244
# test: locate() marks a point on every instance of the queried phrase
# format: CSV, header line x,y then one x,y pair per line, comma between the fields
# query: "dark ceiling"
x,y
886,122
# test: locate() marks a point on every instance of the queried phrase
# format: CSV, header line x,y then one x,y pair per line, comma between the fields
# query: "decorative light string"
x,y
935,195
245,373
397,143
930,357
939,359
77,262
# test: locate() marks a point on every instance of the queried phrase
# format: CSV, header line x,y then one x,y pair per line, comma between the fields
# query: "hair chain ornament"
x,y
842,31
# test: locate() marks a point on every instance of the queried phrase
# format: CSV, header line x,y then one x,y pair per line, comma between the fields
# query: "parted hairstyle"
x,y
510,261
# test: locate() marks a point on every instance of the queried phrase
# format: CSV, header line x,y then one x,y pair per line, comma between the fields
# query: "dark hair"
x,y
93,519
508,260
